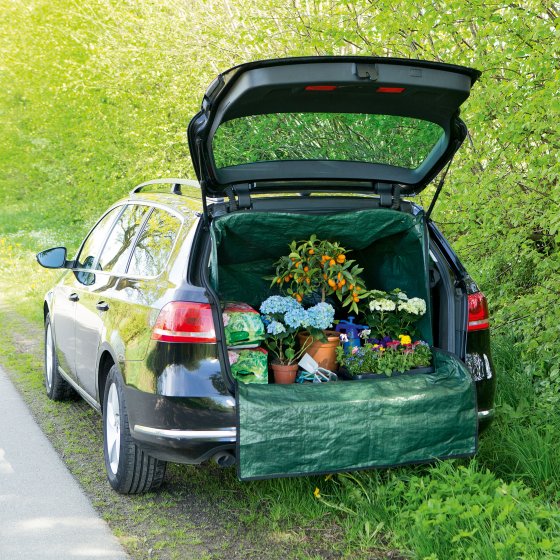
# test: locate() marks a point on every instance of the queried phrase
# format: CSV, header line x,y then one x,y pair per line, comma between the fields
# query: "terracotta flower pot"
x,y
324,353
284,375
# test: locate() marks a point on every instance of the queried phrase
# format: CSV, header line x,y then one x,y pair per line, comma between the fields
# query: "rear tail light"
x,y
478,312
320,88
185,321
383,89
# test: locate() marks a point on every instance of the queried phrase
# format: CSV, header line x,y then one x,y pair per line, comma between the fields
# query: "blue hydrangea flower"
x,y
275,328
278,304
320,316
296,318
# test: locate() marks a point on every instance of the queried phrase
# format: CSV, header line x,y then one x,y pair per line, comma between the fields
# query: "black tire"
x,y
129,469
58,389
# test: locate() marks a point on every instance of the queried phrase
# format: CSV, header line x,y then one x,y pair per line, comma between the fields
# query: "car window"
x,y
154,244
382,139
116,252
96,239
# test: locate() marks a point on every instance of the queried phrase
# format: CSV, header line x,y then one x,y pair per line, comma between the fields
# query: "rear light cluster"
x,y
478,312
383,89
380,89
185,321
320,88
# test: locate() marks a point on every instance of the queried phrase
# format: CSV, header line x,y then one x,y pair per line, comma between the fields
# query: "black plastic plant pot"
x,y
343,373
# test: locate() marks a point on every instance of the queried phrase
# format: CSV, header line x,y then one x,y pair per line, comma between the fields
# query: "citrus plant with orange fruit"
x,y
320,266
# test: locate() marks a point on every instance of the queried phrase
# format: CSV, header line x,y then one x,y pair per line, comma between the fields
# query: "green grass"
x,y
522,444
455,509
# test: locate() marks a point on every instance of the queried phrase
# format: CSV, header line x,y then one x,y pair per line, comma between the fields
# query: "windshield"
x,y
370,138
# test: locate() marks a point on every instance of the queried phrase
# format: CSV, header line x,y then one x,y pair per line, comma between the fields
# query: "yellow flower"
x,y
405,339
317,493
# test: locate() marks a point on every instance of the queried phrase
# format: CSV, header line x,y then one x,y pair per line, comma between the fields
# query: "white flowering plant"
x,y
284,318
390,314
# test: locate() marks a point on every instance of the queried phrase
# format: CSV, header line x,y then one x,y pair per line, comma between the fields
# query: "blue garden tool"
x,y
352,331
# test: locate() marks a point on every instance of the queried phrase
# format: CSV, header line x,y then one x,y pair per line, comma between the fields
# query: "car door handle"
x,y
102,306
74,297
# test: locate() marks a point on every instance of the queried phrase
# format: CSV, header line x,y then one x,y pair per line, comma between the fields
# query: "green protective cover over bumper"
x,y
340,426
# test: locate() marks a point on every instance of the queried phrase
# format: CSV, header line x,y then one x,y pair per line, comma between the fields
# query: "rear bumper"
x,y
485,418
181,429
183,446
223,435
485,415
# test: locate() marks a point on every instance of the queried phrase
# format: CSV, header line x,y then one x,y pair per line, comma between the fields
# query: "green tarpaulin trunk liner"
x,y
390,245
339,426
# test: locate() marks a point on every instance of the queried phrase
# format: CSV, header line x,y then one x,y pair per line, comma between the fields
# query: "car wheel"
x,y
58,389
130,470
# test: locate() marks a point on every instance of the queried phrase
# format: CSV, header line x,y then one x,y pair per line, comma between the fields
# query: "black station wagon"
x,y
283,149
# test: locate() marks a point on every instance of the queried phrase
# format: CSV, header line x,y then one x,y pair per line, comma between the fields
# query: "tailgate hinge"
x,y
389,195
243,201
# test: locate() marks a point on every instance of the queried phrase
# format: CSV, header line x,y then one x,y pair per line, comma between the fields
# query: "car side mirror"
x,y
54,258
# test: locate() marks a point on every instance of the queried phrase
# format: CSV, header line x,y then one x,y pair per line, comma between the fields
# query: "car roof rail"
x,y
175,185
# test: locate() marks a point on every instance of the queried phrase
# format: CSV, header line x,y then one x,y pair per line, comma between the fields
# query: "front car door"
x,y
67,293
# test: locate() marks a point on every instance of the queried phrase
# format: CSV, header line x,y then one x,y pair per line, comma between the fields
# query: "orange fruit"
x,y
286,278
340,275
279,280
298,297
325,276
298,263
311,251
356,299
351,287
308,280
341,258
358,288
305,269
342,282
339,285
332,283
332,262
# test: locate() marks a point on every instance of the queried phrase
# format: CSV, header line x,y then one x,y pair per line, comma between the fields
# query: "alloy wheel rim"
x,y
113,428
49,358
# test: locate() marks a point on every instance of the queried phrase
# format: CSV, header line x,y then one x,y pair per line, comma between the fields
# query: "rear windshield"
x,y
382,139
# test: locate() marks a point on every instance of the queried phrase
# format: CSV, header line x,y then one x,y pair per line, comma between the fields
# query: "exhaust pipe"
x,y
224,459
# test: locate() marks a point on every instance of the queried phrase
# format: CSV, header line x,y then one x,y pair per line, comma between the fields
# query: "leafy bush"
x,y
446,512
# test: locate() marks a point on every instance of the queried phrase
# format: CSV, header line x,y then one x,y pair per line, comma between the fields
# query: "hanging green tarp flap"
x,y
390,245
316,428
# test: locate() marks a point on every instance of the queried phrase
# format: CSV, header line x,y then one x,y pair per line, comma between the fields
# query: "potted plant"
x,y
316,266
391,314
388,357
315,269
284,318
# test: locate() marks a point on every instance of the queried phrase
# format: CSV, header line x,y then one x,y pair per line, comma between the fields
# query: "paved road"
x,y
43,512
